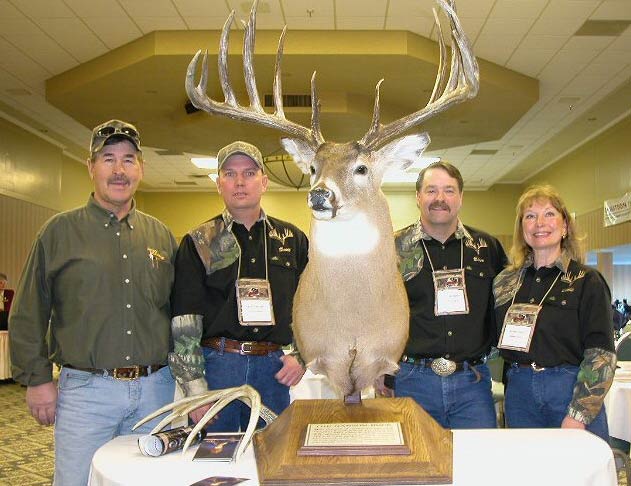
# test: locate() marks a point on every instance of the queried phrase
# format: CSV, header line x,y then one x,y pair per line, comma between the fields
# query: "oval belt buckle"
x,y
443,367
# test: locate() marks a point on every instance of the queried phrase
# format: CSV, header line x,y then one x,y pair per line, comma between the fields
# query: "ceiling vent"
x,y
603,28
290,101
483,152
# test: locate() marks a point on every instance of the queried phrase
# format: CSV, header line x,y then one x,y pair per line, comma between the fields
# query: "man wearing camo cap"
x,y
235,279
97,282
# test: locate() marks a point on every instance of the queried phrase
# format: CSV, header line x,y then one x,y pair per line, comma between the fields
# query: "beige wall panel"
x,y
597,236
37,171
20,221
599,170
491,211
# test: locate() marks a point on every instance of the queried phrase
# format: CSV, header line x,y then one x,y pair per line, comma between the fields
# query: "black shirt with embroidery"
x,y
206,269
575,315
456,337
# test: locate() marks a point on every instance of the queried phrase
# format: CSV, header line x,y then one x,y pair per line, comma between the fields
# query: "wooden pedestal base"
x,y
278,464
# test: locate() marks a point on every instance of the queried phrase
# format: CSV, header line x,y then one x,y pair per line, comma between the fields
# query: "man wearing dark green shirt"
x,y
94,299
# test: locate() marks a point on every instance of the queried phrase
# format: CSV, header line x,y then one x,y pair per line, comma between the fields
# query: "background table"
x,y
5,359
618,403
490,457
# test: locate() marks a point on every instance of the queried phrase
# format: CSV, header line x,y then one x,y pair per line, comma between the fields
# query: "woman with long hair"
x,y
554,322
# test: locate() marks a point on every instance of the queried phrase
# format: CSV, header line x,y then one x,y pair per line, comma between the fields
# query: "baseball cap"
x,y
106,130
240,147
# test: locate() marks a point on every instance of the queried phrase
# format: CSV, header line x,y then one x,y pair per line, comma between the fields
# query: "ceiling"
x,y
554,73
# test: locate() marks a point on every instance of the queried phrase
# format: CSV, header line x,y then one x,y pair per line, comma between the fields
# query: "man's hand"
x,y
381,389
570,423
41,401
291,372
197,414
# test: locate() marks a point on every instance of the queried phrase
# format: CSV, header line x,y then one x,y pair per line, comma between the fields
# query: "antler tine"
x,y
254,113
441,74
278,82
463,83
222,63
315,111
375,125
248,60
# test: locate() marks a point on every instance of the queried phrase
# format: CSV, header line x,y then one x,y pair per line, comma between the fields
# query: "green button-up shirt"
x,y
97,291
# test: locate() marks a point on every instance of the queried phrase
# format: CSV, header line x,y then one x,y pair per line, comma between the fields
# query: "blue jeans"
x,y
92,410
457,401
539,399
227,370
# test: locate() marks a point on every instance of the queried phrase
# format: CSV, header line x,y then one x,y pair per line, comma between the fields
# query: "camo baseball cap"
x,y
242,148
106,130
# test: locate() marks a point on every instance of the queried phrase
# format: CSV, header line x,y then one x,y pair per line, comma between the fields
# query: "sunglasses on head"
x,y
110,130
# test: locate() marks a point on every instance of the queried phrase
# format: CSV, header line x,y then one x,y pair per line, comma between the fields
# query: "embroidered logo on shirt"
x,y
287,233
569,279
155,257
476,246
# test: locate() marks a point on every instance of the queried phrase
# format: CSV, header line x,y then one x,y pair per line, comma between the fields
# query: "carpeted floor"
x,y
26,449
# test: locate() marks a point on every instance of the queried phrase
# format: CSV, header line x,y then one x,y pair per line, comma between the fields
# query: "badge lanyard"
x,y
450,290
520,321
254,296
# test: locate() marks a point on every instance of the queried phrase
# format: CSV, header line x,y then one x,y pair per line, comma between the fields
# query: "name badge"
x,y
254,302
519,326
450,292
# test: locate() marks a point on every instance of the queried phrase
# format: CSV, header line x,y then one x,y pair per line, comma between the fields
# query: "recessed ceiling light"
x,y
204,162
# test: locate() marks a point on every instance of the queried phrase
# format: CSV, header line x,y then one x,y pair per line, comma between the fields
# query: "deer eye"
x,y
361,170
312,170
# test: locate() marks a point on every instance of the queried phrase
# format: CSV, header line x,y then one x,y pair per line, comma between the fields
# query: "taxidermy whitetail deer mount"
x,y
351,314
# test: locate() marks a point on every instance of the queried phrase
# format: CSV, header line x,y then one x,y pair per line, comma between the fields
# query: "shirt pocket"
x,y
285,261
159,274
479,271
559,300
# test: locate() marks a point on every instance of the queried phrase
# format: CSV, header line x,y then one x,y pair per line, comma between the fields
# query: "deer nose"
x,y
321,198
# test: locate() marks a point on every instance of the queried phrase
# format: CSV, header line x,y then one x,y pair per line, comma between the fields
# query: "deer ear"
x,y
403,152
300,151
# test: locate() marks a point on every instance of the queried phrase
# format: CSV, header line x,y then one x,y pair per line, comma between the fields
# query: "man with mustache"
x,y
94,299
235,279
448,270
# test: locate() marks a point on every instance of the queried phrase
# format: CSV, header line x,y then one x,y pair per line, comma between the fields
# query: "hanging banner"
x,y
617,210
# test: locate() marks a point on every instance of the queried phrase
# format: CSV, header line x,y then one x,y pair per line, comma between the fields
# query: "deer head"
x,y
341,173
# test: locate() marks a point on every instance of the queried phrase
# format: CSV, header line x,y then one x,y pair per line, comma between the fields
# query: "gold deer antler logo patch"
x,y
569,279
155,257
287,233
476,246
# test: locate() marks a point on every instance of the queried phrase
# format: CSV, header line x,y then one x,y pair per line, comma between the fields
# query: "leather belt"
x,y
123,373
253,348
442,366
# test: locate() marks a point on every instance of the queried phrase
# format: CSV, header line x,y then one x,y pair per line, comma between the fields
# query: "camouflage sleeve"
x,y
295,352
187,360
592,383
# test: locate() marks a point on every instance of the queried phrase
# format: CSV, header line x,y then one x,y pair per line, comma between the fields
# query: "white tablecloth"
x,y
5,359
618,403
491,457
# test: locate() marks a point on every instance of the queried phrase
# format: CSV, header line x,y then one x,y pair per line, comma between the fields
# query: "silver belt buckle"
x,y
443,367
536,367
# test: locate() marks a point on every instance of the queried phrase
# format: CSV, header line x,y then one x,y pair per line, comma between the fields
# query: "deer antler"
x,y
254,113
462,84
